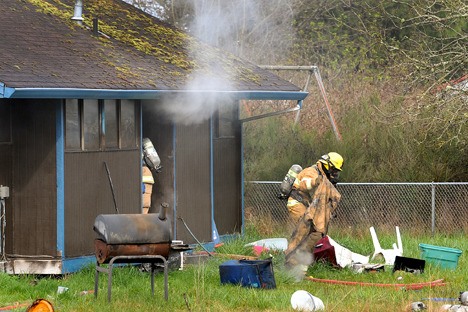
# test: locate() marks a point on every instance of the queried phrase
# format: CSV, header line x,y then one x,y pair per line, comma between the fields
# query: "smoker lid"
x,y
132,228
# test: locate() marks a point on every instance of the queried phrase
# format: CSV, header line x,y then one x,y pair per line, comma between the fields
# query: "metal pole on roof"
x,y
78,12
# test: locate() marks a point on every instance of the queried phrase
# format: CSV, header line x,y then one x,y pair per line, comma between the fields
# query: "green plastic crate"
x,y
441,256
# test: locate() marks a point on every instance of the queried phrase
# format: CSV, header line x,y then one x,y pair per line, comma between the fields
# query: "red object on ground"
x,y
259,249
324,251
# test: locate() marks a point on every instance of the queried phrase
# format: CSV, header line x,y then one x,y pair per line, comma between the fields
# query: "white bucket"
x,y
302,300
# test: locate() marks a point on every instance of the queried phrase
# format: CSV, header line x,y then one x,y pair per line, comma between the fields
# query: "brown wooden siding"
x,y
33,189
5,171
5,180
227,185
193,181
88,193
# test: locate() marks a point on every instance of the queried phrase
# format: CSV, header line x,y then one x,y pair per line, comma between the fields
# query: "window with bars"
x,y
98,125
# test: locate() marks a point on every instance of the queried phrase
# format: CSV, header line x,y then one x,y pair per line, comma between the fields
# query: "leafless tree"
x,y
257,30
433,58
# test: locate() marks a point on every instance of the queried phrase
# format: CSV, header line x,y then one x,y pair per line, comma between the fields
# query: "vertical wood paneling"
x,y
6,180
34,197
193,181
6,174
227,185
88,193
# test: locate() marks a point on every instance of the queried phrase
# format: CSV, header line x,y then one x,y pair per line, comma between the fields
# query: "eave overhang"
x,y
72,93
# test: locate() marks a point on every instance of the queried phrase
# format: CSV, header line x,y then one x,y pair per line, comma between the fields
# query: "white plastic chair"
x,y
345,257
388,254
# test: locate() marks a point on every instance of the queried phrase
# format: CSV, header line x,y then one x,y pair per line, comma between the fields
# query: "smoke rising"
x,y
303,259
198,104
230,26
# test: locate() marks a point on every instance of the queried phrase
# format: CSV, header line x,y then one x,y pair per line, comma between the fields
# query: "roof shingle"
x,y
42,47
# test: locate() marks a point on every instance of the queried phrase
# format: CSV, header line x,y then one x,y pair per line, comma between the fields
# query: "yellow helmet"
x,y
333,159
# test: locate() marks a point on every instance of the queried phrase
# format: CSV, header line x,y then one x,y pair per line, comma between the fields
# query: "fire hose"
x,y
188,229
413,286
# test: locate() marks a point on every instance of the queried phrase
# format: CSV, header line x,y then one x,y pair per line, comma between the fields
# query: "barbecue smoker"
x,y
134,238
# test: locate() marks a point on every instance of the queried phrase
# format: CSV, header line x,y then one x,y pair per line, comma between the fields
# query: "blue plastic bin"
x,y
248,273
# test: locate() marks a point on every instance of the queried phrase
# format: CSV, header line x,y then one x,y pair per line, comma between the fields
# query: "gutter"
x,y
61,93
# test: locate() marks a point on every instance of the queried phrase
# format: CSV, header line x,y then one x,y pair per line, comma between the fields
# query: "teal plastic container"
x,y
444,257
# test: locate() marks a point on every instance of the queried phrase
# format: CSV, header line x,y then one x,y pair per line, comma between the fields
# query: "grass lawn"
x,y
198,288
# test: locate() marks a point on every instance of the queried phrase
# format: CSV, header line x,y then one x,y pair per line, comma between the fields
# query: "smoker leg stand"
x,y
152,278
166,269
96,280
108,271
109,280
140,258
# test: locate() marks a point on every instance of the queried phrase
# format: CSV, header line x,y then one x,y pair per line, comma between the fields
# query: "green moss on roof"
x,y
48,8
150,36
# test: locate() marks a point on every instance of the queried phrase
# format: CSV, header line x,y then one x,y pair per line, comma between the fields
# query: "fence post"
x,y
433,207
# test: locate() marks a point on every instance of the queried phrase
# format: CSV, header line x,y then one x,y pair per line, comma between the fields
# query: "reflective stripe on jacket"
x,y
147,176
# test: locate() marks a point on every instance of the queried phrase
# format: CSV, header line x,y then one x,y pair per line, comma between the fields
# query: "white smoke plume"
x,y
228,25
303,260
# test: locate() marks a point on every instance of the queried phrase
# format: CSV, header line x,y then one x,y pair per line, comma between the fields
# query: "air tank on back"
x,y
150,156
288,181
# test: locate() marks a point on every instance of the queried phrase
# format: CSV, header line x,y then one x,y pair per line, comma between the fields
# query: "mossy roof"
x,y
41,47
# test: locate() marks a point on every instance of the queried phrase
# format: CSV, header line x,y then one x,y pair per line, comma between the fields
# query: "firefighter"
x,y
311,204
147,185
150,162
308,179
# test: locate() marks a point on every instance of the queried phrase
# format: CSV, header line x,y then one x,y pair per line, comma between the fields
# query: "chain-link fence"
x,y
421,208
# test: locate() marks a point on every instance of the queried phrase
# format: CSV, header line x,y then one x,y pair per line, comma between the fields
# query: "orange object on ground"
x,y
40,305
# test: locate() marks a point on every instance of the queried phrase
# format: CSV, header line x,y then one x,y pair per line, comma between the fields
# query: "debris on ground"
x,y
268,244
248,273
454,308
302,300
418,306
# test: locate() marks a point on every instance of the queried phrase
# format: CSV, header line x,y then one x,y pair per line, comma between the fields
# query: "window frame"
x,y
226,117
102,126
